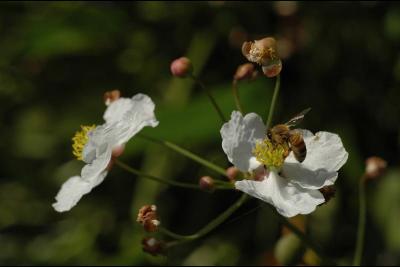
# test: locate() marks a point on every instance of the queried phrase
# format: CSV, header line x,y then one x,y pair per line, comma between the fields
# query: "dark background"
x,y
57,59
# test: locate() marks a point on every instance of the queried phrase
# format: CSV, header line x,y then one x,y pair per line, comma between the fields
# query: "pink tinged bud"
x,y
153,246
111,96
260,173
232,172
181,67
206,183
273,68
117,151
375,167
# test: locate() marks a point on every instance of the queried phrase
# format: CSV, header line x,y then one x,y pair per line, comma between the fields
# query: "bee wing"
x,y
298,118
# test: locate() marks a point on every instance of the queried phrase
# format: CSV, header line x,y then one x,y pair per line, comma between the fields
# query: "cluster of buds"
x,y
147,217
264,52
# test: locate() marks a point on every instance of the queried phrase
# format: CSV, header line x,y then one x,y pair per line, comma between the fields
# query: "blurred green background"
x,y
57,59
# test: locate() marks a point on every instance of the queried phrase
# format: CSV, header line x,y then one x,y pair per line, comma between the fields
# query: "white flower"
x,y
293,187
124,118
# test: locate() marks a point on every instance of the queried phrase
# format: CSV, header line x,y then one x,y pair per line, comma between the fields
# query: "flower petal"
x,y
238,139
289,199
116,110
138,114
325,156
73,190
307,178
99,138
99,164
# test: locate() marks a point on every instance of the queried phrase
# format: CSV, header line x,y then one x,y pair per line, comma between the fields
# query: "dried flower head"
x,y
264,52
147,216
374,167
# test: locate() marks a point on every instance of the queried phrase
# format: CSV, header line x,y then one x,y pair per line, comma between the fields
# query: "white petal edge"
x,y
238,139
73,190
138,116
325,156
116,110
289,199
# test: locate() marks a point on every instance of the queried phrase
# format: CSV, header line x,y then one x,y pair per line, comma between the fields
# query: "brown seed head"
x,y
147,216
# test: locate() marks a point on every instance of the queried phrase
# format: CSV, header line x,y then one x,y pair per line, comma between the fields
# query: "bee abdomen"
x,y
298,146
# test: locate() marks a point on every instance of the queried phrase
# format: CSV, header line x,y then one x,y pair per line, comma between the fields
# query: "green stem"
x,y
213,102
208,228
157,179
235,92
303,237
274,99
361,224
220,185
186,153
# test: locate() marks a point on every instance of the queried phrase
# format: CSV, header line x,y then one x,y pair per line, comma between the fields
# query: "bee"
x,y
283,134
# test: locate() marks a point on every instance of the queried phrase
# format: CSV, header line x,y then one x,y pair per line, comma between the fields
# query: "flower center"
x,y
80,139
272,155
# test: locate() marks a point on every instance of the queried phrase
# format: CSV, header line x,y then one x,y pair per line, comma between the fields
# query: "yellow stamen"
x,y
80,139
270,154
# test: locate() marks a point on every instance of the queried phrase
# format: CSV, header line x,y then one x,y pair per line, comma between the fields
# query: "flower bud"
x,y
206,183
181,67
152,246
147,216
111,96
260,173
328,192
374,167
117,151
232,172
245,71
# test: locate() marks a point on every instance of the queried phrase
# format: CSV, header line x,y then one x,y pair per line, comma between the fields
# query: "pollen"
x,y
270,154
80,139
